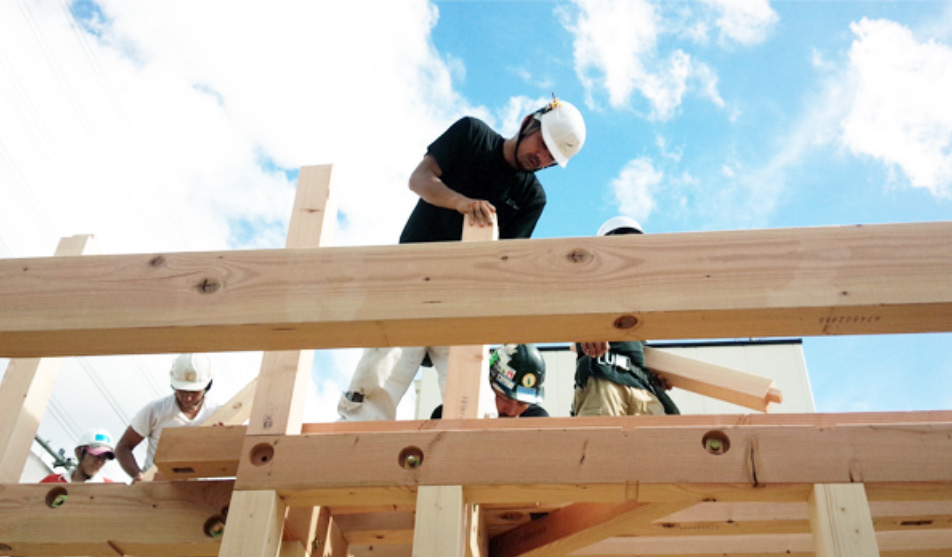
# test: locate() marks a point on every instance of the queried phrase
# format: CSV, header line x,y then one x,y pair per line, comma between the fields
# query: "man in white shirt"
x,y
191,378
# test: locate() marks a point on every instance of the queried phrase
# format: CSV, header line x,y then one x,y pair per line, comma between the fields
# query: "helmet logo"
x,y
528,380
191,376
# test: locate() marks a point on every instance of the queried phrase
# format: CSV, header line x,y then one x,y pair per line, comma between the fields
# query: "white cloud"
x,y
635,186
744,21
172,126
615,49
901,112
512,114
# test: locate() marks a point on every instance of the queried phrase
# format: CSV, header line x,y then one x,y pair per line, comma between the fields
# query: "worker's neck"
x,y
509,152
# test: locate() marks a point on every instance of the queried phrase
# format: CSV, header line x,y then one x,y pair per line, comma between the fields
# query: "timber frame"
x,y
743,485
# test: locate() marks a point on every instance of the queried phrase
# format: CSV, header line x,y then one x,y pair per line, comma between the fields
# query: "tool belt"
x,y
648,379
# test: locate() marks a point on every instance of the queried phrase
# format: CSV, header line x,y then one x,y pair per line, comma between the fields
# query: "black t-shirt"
x,y
533,411
470,156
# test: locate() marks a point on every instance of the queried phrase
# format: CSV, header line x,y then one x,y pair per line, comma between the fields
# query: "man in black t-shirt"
x,y
469,172
516,374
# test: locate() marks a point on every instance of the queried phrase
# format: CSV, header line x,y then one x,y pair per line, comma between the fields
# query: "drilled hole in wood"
x,y
262,454
215,526
511,516
410,458
183,470
56,497
716,442
625,322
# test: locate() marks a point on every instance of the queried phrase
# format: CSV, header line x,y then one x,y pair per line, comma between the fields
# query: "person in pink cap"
x,y
93,450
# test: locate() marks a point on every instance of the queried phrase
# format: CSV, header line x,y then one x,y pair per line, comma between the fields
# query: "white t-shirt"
x,y
162,413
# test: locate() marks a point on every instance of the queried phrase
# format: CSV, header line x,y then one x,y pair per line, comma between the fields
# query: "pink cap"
x,y
96,451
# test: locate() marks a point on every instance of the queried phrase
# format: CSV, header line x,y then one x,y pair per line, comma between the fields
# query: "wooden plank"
x,y
151,519
889,278
237,409
576,527
26,388
255,523
279,395
336,545
349,496
730,385
377,528
935,543
301,525
756,455
214,452
443,518
841,522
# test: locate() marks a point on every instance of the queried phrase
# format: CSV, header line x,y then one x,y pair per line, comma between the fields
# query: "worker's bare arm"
x,y
425,182
129,441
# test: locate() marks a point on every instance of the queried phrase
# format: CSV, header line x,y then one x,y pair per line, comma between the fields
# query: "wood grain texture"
x,y
812,281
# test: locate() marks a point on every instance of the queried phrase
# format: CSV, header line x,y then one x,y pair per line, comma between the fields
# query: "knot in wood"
x,y
579,255
626,322
157,261
208,286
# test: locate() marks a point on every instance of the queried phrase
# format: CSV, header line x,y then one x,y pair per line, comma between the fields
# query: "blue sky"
x,y
180,126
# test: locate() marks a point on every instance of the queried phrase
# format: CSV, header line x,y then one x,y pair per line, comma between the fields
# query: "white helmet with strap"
x,y
563,129
191,372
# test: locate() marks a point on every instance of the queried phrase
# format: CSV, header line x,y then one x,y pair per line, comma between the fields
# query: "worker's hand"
x,y
594,349
661,381
477,211
138,478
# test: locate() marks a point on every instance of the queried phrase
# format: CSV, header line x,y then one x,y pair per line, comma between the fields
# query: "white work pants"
x,y
383,376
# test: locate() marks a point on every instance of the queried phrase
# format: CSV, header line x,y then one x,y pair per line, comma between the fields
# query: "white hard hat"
x,y
563,130
620,225
191,372
97,441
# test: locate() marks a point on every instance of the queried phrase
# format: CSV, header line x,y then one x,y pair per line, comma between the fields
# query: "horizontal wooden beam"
x,y
214,452
147,519
924,543
812,281
752,455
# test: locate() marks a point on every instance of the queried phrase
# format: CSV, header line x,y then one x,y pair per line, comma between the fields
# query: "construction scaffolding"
x,y
742,485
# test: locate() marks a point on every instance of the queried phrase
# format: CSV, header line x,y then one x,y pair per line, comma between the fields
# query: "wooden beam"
x,y
255,523
889,278
149,519
282,389
934,543
215,452
841,521
730,385
443,518
280,393
237,409
26,388
754,455
576,527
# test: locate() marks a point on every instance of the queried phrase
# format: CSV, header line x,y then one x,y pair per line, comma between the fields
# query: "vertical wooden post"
x,y
254,526
26,388
841,521
446,526
280,392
